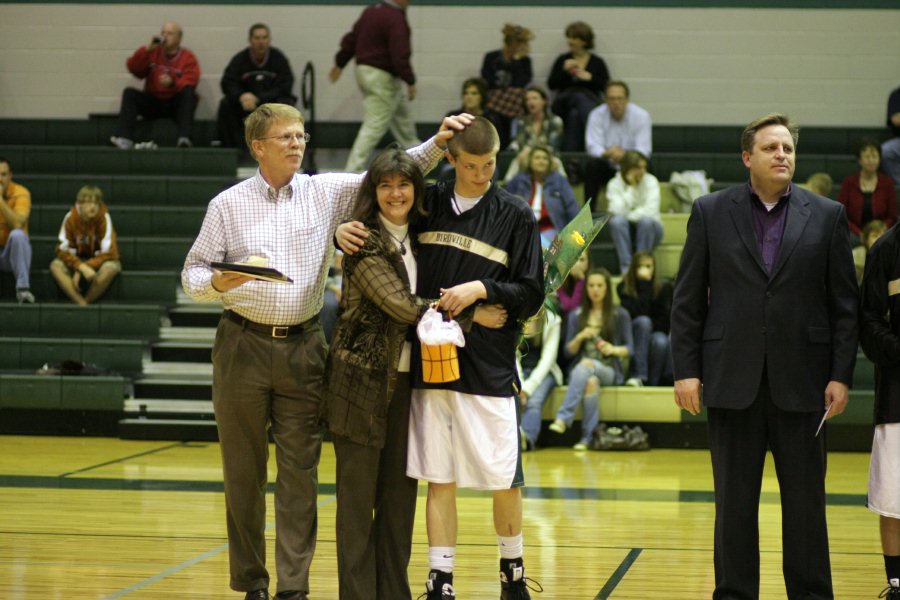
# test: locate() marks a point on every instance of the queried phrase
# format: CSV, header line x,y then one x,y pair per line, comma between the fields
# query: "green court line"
x,y
124,458
618,574
529,493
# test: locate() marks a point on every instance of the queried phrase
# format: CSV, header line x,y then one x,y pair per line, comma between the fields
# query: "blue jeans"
x,y
531,415
15,256
648,233
652,358
590,403
890,159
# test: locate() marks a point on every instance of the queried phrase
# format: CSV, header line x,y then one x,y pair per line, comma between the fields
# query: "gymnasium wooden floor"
x,y
107,518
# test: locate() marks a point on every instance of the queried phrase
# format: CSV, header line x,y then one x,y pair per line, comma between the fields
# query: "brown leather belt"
x,y
275,331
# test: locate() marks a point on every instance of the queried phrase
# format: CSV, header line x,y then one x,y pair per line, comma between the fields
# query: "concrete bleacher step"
x,y
128,221
137,253
95,320
98,160
137,287
149,190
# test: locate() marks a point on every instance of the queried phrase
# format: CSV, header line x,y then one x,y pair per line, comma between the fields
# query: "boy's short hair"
x,y
479,138
820,183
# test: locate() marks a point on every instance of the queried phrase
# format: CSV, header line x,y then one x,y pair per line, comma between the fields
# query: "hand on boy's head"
x,y
451,124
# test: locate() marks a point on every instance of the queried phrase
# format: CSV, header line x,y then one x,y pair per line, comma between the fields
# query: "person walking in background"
x,y
579,78
380,44
170,75
258,74
764,329
879,334
15,245
87,254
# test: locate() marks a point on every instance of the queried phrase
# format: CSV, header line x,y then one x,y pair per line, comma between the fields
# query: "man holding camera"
x,y
170,75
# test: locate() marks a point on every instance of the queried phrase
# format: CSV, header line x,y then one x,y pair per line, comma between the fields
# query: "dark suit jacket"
x,y
730,318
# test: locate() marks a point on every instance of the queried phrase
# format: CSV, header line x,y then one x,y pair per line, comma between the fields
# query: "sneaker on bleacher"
x,y
24,296
121,143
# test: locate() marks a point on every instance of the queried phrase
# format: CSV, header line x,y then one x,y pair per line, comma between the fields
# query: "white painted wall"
x,y
686,66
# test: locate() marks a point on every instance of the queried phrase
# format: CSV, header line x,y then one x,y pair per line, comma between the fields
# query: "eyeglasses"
x,y
287,138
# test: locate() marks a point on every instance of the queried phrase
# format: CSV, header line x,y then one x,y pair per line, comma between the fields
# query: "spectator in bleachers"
x,y
15,246
873,230
507,72
547,192
538,126
380,44
890,149
614,128
474,91
578,77
170,73
538,370
821,184
868,194
87,255
256,75
598,337
649,302
571,291
878,336
633,195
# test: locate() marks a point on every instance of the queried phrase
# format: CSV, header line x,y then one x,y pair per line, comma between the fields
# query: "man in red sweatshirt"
x,y
170,75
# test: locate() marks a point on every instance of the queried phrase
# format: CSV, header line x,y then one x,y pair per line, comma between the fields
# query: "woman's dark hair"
x,y
629,281
581,31
608,328
391,160
542,93
866,143
480,84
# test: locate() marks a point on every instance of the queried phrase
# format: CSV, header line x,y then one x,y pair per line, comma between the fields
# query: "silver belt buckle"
x,y
280,332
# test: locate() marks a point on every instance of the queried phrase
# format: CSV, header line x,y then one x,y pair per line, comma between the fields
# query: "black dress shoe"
x,y
291,596
257,595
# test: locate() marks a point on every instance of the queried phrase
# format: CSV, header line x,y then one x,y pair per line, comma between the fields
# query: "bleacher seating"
x,y
158,199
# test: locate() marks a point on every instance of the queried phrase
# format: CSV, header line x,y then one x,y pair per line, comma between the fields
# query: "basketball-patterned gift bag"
x,y
439,339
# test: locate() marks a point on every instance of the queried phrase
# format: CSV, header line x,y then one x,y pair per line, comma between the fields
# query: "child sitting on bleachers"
x,y
87,254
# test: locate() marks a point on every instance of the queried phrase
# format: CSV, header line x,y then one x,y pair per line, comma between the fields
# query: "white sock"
x,y
510,547
441,558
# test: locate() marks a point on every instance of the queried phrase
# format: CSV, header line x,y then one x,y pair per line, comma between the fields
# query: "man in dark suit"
x,y
764,324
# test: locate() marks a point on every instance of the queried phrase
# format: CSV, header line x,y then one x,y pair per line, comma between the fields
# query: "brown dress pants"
x,y
261,382
376,510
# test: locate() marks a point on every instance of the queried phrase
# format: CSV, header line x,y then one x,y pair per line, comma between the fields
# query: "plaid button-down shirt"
x,y
292,228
